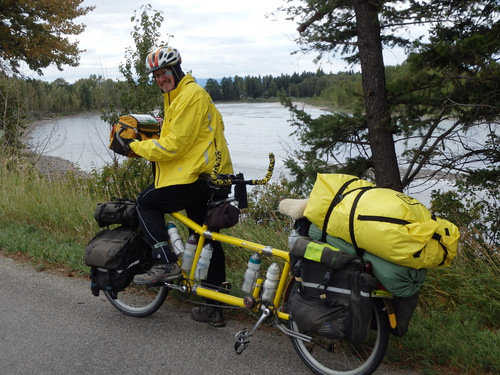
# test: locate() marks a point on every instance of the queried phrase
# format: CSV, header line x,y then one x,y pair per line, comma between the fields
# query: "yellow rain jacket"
x,y
191,133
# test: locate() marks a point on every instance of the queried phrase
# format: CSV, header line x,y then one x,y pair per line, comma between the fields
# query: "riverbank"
x,y
51,166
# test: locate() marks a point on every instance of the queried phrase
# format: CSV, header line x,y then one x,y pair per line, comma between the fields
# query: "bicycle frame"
x,y
252,246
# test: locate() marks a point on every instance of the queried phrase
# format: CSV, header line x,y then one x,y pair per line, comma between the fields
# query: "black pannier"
x,y
114,257
333,298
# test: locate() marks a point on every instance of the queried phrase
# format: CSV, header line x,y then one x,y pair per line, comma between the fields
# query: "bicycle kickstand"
x,y
243,337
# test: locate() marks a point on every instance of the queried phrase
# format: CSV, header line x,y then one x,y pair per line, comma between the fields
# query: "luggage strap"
x,y
335,201
359,251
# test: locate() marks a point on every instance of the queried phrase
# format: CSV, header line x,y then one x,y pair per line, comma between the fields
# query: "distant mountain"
x,y
201,81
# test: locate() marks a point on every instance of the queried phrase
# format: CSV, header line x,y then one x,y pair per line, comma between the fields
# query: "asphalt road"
x,y
52,324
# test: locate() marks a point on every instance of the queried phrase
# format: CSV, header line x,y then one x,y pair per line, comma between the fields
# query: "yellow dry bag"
x,y
381,221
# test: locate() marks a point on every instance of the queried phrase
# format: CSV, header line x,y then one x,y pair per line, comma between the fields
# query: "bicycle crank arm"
x,y
265,314
181,288
297,335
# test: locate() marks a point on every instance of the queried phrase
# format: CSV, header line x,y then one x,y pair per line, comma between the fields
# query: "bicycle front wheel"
x,y
339,357
139,300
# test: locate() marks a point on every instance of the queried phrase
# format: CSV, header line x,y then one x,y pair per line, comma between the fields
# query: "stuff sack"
x,y
114,257
381,221
118,211
333,294
140,127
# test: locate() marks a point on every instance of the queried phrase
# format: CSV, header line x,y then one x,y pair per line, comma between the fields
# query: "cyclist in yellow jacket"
x,y
192,131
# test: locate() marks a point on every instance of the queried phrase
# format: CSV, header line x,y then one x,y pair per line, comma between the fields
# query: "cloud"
x,y
216,39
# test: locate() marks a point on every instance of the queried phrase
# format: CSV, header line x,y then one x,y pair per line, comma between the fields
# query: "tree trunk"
x,y
374,88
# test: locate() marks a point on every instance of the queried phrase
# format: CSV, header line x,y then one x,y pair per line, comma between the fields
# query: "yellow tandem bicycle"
x,y
321,355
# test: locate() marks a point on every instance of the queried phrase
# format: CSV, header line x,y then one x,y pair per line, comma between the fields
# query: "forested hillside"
x,y
46,99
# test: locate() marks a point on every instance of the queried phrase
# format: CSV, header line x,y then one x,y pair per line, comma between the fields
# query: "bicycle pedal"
x,y
242,340
239,347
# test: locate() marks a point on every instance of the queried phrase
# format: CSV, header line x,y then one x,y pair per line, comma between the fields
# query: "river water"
x,y
253,130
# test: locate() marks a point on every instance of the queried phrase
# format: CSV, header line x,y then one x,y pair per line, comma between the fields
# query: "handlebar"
x,y
216,179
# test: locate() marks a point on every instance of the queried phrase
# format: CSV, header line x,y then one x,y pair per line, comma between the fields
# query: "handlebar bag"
x,y
333,297
224,216
140,127
114,257
118,211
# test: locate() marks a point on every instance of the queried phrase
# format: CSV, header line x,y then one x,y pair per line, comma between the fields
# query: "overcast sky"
x,y
218,38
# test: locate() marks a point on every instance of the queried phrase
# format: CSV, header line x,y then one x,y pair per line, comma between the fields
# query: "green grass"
x,y
455,328
45,249
458,318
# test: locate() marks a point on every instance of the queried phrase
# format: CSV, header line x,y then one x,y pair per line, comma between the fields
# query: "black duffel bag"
x,y
118,211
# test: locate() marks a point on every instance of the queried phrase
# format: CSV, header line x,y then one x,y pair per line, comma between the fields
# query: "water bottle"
x,y
190,250
272,277
175,240
294,234
204,262
251,274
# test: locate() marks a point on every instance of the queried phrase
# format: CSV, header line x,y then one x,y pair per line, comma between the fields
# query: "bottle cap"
x,y
255,259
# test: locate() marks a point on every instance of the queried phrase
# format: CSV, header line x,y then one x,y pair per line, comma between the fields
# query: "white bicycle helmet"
x,y
162,57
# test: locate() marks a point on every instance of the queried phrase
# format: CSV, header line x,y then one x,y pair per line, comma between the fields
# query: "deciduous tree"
x,y
36,32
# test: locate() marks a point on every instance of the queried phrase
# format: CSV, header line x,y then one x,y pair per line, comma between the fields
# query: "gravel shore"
x,y
54,166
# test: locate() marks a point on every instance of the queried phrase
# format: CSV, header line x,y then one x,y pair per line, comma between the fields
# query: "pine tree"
x,y
452,76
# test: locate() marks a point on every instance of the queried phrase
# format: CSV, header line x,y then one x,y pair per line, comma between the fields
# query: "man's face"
x,y
164,79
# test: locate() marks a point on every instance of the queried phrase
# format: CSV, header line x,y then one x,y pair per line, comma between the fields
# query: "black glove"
x,y
126,145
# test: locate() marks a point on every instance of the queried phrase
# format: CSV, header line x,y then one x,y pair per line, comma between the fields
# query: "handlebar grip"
x,y
269,173
215,171
227,181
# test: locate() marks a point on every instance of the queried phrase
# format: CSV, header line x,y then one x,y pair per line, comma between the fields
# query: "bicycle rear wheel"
x,y
139,300
339,357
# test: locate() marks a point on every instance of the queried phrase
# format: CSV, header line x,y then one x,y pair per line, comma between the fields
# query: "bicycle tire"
x,y
324,356
139,300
